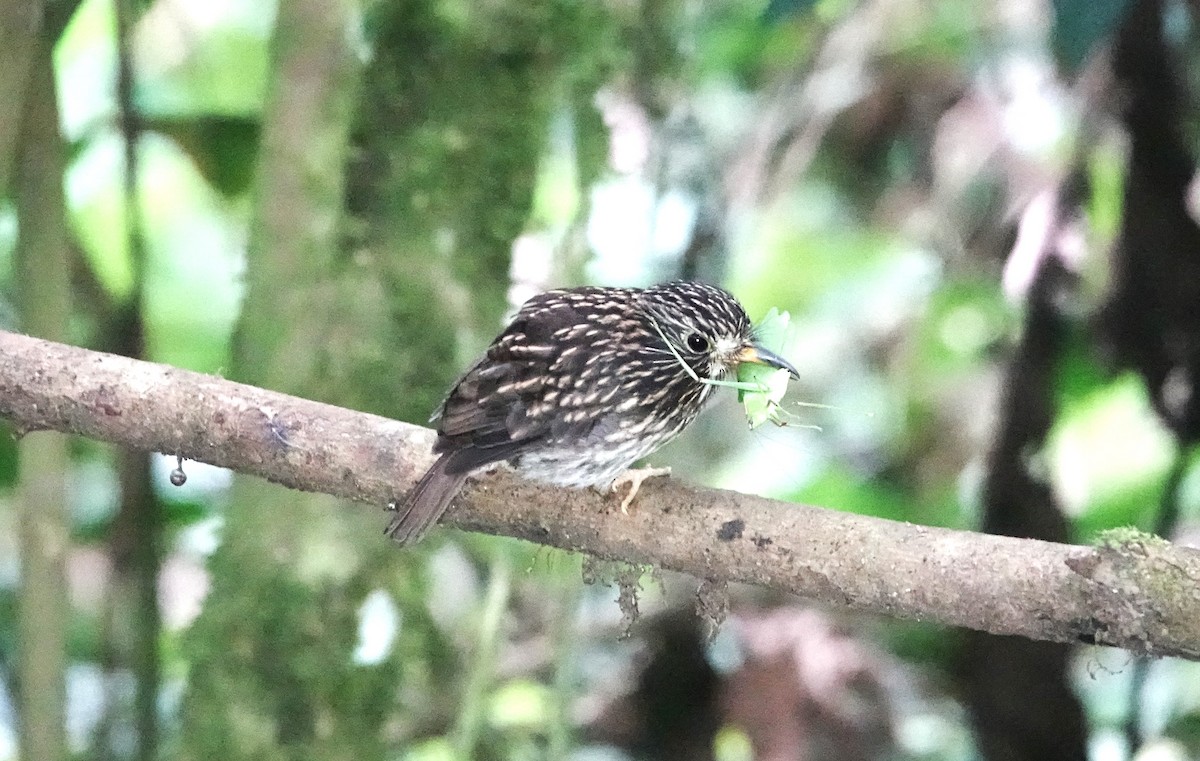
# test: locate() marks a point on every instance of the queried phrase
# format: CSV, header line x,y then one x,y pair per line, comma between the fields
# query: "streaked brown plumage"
x,y
580,386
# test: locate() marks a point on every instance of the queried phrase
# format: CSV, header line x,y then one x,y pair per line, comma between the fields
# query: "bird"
x,y
582,384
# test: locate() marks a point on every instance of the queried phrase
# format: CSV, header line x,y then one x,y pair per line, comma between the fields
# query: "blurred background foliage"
x,y
980,216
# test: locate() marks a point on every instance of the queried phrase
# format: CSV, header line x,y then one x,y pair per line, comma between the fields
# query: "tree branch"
x,y
1142,594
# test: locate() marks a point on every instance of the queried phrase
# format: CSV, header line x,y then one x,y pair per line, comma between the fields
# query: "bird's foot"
x,y
634,477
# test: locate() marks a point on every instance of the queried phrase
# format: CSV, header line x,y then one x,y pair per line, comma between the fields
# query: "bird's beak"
x,y
759,355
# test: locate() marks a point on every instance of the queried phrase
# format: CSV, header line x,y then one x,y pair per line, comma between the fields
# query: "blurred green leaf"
x,y
223,148
732,744
963,321
436,749
179,514
520,703
200,64
778,10
1108,455
839,488
1080,25
8,455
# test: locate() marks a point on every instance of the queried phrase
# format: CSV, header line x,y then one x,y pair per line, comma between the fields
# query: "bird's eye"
x,y
697,342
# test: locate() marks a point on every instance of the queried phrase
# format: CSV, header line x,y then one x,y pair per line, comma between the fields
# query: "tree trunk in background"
x,y
132,624
272,647
19,40
379,314
44,293
1018,691
454,119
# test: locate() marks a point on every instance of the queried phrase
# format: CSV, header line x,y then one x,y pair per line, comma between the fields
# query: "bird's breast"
x,y
593,444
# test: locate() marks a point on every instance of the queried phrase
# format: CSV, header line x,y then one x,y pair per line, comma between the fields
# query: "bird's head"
x,y
707,328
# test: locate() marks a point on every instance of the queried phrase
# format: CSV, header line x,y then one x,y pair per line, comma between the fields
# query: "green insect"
x,y
760,387
765,386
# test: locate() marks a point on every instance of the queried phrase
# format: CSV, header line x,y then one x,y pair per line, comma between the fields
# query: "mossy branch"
x,y
1141,595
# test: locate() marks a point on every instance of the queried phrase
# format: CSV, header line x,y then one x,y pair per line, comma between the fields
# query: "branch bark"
x,y
1139,593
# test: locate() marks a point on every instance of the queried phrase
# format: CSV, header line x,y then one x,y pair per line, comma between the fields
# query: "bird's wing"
x,y
512,398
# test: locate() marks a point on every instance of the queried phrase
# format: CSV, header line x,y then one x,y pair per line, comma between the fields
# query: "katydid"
x,y
760,387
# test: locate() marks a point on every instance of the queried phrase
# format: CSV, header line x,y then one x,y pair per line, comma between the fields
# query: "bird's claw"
x,y
634,477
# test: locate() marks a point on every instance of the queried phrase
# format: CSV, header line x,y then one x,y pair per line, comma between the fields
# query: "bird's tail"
x,y
425,503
